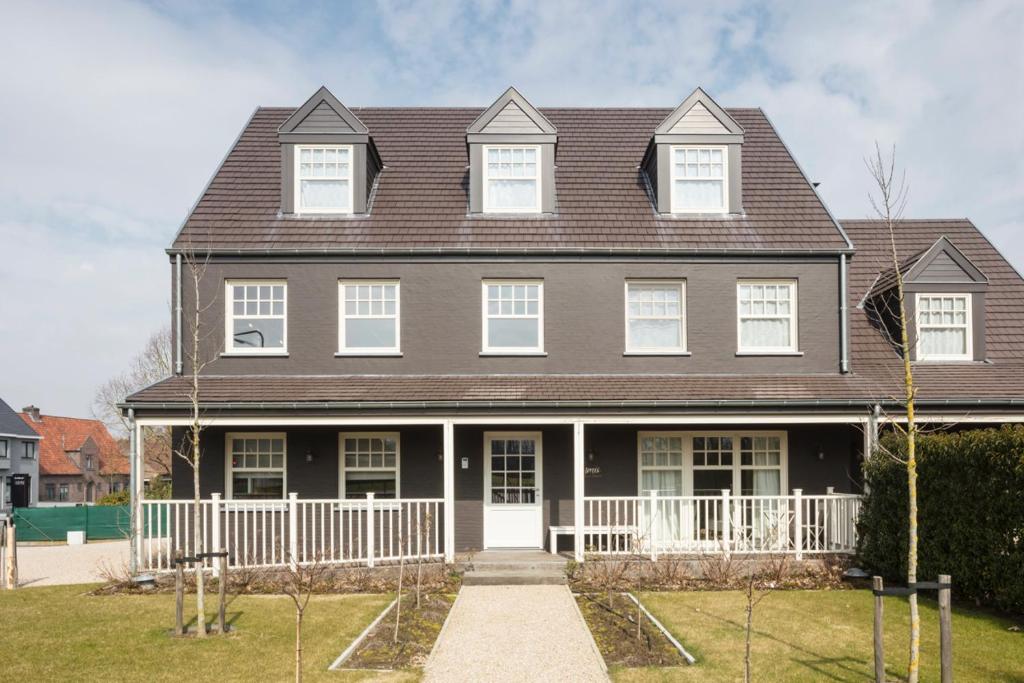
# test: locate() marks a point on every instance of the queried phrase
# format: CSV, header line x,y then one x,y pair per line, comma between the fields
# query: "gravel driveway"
x,y
53,565
515,633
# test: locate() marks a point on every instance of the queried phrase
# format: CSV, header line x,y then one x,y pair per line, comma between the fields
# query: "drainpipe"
x,y
133,559
844,342
177,314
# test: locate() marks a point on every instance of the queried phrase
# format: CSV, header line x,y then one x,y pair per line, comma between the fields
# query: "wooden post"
x,y
876,584
222,590
655,514
798,523
179,593
293,530
12,557
946,628
215,529
726,539
370,531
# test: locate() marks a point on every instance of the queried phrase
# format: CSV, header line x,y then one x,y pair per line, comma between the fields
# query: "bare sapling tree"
x,y
401,577
889,202
194,333
300,583
422,537
765,574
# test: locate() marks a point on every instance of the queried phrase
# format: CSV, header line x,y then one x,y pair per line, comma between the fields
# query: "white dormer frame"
x,y
538,178
297,182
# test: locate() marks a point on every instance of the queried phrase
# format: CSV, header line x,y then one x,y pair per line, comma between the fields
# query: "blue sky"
x,y
117,113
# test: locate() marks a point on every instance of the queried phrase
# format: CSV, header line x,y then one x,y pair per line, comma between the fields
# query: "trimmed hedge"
x,y
970,513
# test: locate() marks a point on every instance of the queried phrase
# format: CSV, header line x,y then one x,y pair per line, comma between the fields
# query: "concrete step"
x,y
501,566
513,578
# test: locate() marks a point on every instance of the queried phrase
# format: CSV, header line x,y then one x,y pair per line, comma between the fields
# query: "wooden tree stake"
x,y
179,594
946,628
222,585
876,584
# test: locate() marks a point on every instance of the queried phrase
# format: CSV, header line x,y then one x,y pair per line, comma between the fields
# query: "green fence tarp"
x,y
53,524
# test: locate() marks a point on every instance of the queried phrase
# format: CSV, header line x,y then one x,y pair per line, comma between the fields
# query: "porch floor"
x,y
513,568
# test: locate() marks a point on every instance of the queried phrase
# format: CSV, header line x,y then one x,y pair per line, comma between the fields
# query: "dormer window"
x,y
323,179
944,327
512,179
699,179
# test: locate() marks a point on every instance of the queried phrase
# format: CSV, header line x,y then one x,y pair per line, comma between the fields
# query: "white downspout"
x,y
177,315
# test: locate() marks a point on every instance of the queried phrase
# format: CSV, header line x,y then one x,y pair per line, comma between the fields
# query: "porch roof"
x,y
952,386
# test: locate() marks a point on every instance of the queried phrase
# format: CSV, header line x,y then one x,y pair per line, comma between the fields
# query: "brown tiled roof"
x,y
62,435
421,199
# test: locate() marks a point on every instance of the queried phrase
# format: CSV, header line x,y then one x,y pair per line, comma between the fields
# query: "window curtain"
x,y
944,342
665,524
760,332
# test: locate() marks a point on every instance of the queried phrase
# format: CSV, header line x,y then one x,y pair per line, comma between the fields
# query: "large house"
x,y
614,327
19,461
79,461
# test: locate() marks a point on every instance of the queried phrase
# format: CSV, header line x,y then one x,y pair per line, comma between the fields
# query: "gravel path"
x,y
515,633
54,565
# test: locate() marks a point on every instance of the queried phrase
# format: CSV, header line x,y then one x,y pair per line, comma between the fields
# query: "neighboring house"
x,y
79,461
541,319
19,461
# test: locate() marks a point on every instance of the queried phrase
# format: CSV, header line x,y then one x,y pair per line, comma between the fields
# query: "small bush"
x,y
970,513
122,497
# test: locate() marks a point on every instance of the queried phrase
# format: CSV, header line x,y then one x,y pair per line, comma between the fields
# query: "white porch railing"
x,y
269,533
650,525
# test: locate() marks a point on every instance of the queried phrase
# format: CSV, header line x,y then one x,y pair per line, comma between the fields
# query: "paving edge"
x,y
679,646
444,627
360,638
586,627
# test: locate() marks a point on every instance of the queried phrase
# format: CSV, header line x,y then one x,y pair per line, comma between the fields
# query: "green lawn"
x,y
824,636
62,633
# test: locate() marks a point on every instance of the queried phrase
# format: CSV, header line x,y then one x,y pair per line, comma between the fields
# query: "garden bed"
x,y
417,631
612,619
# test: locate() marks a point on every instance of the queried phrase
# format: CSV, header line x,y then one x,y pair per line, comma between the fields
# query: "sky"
x,y
116,114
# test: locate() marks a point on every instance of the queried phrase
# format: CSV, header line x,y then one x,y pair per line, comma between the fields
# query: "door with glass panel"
x,y
512,490
661,471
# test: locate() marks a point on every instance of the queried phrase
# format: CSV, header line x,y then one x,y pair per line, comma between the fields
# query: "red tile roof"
x,y
65,434
421,199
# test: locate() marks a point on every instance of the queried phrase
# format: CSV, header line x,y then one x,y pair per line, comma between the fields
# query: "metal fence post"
x,y
798,523
215,530
293,529
726,522
370,541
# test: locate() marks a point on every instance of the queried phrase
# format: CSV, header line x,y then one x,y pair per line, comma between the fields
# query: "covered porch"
x,y
372,490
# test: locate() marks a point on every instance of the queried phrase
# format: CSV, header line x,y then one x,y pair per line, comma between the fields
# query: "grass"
x,y
61,632
824,636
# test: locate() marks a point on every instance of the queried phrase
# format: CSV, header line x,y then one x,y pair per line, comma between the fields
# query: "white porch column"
x,y
577,484
448,462
137,483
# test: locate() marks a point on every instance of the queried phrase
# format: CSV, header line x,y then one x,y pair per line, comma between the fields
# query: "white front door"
x,y
512,490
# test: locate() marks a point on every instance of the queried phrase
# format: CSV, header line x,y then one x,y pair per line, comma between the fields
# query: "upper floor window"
x,y
944,327
369,319
655,320
30,450
513,317
88,462
4,445
699,182
369,464
323,179
767,318
255,320
512,179
256,465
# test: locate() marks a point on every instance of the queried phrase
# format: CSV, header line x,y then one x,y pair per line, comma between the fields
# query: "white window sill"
x,y
368,354
769,353
243,354
657,353
512,352
932,361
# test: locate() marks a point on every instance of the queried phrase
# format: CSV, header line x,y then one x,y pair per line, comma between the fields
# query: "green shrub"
x,y
970,513
122,497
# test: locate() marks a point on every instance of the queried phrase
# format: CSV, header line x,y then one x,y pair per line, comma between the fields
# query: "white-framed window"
x,y
63,492
513,317
369,462
256,317
655,316
323,179
369,317
29,452
704,463
944,327
766,316
257,465
700,179
511,178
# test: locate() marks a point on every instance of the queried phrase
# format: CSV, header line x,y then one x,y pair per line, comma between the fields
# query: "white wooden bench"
x,y
569,530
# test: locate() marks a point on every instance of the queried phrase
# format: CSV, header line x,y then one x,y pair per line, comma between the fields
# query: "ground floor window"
x,y
63,493
703,464
369,463
51,491
256,465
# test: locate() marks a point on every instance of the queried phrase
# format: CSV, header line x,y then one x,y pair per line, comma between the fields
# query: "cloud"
x,y
118,112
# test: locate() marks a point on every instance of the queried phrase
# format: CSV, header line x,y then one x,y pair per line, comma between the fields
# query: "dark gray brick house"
x,y
634,327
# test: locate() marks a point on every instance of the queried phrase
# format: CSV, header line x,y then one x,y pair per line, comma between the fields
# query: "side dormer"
x,y
945,301
328,159
693,160
511,159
